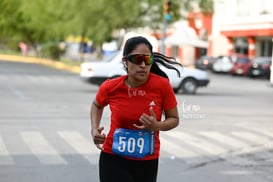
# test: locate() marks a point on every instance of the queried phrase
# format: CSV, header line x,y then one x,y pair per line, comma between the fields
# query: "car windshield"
x,y
225,59
262,60
109,58
242,60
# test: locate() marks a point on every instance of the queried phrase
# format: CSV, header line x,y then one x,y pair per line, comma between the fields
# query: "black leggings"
x,y
117,169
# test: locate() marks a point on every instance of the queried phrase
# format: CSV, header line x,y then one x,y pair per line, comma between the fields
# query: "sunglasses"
x,y
139,58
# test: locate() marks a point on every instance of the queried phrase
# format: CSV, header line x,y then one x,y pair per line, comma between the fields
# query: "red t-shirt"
x,y
128,104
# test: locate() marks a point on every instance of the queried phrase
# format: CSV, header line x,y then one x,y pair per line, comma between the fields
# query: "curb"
x,y
46,62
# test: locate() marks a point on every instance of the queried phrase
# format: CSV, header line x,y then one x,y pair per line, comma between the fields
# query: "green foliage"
x,y
206,6
9,18
52,50
38,22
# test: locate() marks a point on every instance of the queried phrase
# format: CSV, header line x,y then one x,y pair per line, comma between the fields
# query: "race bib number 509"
x,y
133,143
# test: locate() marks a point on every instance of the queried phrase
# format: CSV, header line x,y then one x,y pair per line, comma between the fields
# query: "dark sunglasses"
x,y
139,58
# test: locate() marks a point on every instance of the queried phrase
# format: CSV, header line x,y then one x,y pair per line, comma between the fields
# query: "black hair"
x,y
159,58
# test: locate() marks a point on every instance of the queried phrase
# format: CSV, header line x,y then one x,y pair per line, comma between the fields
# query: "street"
x,y
225,132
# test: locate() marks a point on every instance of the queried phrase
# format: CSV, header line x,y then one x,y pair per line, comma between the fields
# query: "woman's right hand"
x,y
98,137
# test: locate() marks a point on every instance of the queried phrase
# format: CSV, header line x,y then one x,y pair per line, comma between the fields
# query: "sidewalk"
x,y
46,62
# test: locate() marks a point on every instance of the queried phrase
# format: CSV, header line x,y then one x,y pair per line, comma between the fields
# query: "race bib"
x,y
133,143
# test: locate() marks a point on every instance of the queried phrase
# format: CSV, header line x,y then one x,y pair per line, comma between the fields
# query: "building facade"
x,y
239,26
235,27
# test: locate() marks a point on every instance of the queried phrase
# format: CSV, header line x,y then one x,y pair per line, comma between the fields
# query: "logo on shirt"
x,y
152,104
136,92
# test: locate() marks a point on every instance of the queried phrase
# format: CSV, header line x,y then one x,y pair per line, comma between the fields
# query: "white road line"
x,y
81,145
5,157
45,79
240,161
268,133
212,148
202,145
18,93
264,132
241,148
253,138
233,142
41,148
60,80
177,151
264,145
258,147
31,78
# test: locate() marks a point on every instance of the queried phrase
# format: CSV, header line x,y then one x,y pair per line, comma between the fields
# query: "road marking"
x,y
237,156
268,133
224,139
220,152
239,160
81,145
253,138
197,142
262,148
18,93
177,151
31,78
264,132
5,157
45,79
188,147
233,157
41,148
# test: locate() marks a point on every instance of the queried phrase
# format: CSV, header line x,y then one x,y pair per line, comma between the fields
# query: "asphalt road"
x,y
225,133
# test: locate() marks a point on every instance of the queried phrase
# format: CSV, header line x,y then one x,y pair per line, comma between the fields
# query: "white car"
x,y
98,72
223,64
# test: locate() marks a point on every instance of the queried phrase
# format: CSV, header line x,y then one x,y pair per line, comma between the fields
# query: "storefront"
x,y
184,44
250,38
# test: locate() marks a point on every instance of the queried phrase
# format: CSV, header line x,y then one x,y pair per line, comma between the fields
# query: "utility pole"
x,y
271,67
166,17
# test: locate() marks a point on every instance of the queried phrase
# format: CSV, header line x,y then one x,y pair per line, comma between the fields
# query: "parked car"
x,y
205,62
223,64
260,67
98,72
241,66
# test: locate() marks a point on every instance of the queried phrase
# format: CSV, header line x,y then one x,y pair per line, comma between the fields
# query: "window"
x,y
266,48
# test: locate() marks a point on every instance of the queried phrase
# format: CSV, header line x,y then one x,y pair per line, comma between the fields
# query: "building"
x,y
236,26
239,26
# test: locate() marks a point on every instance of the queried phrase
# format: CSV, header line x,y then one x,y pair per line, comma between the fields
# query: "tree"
x,y
99,19
40,22
9,16
205,6
33,22
43,22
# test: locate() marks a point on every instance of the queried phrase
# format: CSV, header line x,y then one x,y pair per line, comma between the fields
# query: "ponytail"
x,y
165,61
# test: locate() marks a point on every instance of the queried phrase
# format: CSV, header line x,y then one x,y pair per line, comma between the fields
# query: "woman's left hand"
x,y
148,121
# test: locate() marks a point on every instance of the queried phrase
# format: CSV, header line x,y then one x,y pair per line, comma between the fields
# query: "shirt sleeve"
x,y
169,98
102,96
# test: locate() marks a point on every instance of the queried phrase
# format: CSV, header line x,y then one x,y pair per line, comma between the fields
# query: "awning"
x,y
185,36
